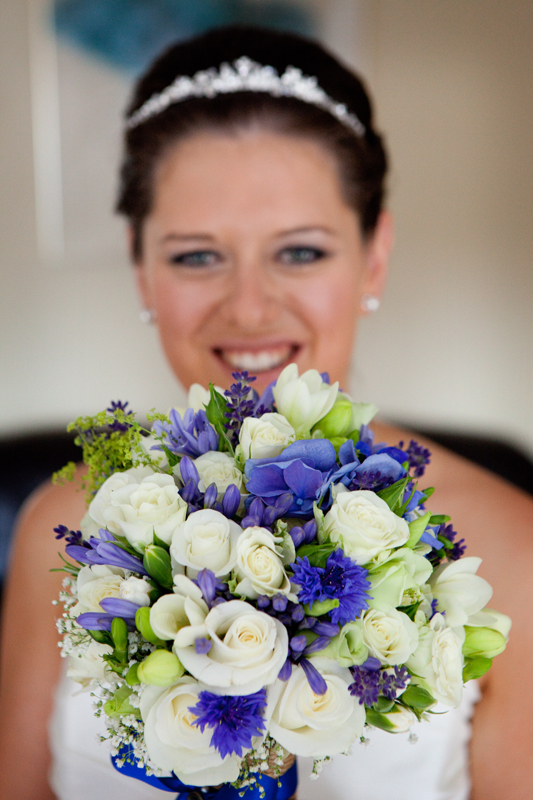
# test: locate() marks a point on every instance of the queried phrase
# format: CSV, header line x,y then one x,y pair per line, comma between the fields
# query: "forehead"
x,y
251,179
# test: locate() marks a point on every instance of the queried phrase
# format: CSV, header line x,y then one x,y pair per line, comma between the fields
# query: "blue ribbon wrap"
x,y
288,781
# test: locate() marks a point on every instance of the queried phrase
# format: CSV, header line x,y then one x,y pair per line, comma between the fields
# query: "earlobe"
x,y
378,254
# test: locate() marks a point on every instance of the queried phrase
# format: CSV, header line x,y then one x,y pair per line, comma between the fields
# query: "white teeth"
x,y
257,362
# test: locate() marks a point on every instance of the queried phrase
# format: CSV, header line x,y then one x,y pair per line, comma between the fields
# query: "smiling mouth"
x,y
258,360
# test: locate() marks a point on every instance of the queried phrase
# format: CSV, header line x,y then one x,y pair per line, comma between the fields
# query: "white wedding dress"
x,y
390,767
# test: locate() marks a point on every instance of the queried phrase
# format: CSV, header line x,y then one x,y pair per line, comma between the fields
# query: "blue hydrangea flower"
x,y
340,580
235,719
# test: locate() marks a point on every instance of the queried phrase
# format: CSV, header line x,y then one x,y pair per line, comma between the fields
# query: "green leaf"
x,y
439,519
476,667
172,458
410,610
417,698
216,411
393,494
317,554
417,528
378,720
384,705
160,543
119,705
102,637
427,494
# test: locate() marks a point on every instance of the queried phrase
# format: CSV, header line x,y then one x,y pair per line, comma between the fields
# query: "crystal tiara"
x,y
246,75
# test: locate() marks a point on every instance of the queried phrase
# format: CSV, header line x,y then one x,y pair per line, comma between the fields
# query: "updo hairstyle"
x,y
361,161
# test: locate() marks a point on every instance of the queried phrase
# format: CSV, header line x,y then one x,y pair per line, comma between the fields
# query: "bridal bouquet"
x,y
257,578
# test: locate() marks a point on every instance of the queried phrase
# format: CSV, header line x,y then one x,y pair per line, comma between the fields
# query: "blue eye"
x,y
301,255
196,258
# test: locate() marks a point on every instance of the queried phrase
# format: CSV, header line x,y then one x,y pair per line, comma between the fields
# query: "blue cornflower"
x,y
340,580
235,719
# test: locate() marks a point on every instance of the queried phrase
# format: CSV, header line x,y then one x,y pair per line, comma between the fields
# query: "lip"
x,y
265,376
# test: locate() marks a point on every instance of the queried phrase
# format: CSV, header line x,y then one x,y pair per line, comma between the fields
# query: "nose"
x,y
252,300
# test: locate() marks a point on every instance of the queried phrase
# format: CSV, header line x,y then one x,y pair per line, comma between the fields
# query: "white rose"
x,y
175,744
459,591
309,724
89,665
265,437
389,635
184,608
439,661
218,468
248,649
137,510
364,525
206,540
95,583
118,480
303,400
136,590
260,566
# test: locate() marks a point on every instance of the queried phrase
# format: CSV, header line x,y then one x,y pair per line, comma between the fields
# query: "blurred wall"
x,y
451,346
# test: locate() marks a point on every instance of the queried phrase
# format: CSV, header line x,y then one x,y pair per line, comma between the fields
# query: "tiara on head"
x,y
245,75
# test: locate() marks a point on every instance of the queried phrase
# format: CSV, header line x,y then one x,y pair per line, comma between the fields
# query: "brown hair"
x,y
362,161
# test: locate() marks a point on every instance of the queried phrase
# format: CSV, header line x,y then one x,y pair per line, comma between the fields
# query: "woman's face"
x,y
252,259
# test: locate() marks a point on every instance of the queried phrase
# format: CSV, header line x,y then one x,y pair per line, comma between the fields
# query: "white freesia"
x,y
389,635
218,468
397,580
184,608
175,744
438,659
303,400
89,664
197,398
136,590
206,540
248,649
309,724
363,525
260,565
401,719
95,583
265,437
138,510
459,591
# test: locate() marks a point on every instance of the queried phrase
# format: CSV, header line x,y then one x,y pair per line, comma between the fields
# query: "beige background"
x,y
452,344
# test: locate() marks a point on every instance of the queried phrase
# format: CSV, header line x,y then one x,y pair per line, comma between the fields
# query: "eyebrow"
x,y
187,237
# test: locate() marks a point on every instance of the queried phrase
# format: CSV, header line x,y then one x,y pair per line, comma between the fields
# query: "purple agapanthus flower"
x,y
112,607
190,435
370,681
304,469
340,580
105,551
235,719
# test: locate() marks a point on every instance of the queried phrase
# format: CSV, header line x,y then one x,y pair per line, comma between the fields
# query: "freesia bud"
x,y
161,668
337,421
157,564
484,642
142,622
321,607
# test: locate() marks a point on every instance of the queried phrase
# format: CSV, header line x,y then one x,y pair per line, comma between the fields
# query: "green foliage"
x,y
417,528
216,411
476,667
104,449
439,519
378,720
120,706
411,610
417,698
316,554
393,494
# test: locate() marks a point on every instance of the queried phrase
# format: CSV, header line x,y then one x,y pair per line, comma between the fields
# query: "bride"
x,y
258,237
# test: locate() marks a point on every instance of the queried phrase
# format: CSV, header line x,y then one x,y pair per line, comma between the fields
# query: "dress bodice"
x,y
390,766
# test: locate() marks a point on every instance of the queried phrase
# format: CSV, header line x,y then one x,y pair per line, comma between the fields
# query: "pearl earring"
x,y
147,316
369,303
